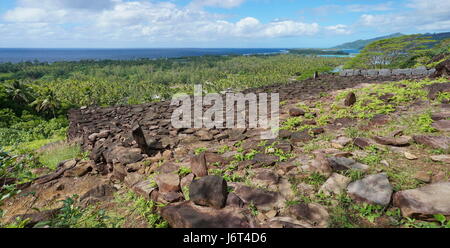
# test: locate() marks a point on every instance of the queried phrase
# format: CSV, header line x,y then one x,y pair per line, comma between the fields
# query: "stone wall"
x,y
422,71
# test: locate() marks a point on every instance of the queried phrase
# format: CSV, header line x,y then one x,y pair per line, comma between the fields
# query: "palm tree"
x,y
19,91
46,102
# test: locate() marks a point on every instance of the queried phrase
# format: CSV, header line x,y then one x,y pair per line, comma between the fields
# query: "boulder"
x,y
264,160
262,199
424,202
189,215
373,189
209,191
198,165
265,177
362,142
234,201
286,222
393,141
435,89
81,169
321,165
335,185
442,125
441,158
436,142
168,182
168,167
34,218
144,188
350,99
343,164
315,214
295,112
124,155
302,136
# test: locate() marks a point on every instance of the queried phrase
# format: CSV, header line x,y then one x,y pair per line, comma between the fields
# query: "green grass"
x,y
54,155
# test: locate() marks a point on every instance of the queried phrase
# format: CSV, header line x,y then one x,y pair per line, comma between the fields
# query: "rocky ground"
x,y
352,152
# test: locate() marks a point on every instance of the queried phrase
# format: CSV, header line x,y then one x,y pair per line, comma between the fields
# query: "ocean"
x,y
17,55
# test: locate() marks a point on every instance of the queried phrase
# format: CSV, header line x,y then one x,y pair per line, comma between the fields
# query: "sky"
x,y
212,23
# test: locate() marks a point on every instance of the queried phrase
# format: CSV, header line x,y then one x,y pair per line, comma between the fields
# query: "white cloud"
x,y
339,29
342,9
216,3
146,21
421,15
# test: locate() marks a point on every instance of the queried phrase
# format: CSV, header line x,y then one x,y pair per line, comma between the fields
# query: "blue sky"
x,y
212,23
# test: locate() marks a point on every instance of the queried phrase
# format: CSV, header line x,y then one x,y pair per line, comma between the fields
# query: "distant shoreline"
x,y
51,55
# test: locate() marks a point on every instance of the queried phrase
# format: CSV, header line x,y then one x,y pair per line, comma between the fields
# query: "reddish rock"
x,y
264,160
321,165
315,214
198,165
81,169
168,182
189,215
442,125
423,203
262,199
362,142
295,112
397,141
436,142
209,191
350,99
168,167
302,136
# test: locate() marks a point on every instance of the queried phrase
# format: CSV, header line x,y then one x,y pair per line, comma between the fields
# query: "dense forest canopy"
x,y
399,52
35,96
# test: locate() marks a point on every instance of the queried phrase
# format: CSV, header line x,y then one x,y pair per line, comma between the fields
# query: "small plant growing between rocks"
x,y
369,211
184,171
199,150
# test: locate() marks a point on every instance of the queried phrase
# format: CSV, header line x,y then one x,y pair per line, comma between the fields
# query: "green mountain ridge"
x,y
360,44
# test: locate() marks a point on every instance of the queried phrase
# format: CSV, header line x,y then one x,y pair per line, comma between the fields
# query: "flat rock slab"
x,y
262,199
442,125
343,164
315,214
189,215
397,141
373,189
424,202
441,158
436,142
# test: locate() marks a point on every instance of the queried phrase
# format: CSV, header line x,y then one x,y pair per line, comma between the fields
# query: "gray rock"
x,y
424,202
373,189
442,125
372,73
393,141
436,142
262,199
315,214
335,185
385,72
343,163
